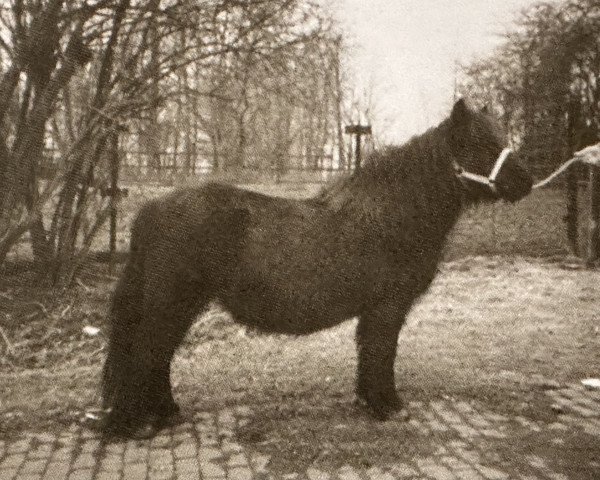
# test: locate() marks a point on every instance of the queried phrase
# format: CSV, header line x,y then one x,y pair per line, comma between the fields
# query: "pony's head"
x,y
485,165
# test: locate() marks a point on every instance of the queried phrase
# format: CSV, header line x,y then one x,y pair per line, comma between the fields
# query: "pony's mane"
x,y
419,163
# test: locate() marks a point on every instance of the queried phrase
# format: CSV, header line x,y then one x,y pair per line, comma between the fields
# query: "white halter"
x,y
489,181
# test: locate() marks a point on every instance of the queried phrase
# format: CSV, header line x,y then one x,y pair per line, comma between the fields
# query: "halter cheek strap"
x,y
489,181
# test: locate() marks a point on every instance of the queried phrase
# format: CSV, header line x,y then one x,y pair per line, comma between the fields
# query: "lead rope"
x,y
589,155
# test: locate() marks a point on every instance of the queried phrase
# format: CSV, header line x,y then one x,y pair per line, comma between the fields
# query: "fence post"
x,y
114,198
594,197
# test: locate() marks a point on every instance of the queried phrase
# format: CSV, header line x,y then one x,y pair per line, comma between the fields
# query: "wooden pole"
x,y
357,153
114,198
594,243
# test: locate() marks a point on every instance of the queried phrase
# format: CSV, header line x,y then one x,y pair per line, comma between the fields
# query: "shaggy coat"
x,y
367,246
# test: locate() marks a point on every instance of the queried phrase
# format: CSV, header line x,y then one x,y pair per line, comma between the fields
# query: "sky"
x,y
404,52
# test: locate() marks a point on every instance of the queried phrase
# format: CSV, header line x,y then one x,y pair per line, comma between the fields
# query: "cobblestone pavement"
x,y
467,441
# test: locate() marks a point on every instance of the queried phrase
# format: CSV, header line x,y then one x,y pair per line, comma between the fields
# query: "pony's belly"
x,y
278,314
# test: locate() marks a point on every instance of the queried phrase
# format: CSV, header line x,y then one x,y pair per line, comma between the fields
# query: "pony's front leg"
x,y
377,339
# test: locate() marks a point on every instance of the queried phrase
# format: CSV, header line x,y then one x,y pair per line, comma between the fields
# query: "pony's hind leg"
x,y
166,324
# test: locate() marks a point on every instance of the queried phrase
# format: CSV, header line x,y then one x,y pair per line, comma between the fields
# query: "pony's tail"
x,y
124,318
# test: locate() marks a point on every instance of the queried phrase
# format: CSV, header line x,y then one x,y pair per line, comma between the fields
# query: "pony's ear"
x,y
460,112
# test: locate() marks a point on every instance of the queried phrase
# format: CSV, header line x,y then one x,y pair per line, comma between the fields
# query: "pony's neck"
x,y
414,182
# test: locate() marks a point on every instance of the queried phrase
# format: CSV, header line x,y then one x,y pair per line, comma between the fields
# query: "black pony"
x,y
366,247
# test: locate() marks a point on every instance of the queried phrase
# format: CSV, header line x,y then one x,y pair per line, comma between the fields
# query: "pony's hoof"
x,y
172,420
153,425
380,409
143,432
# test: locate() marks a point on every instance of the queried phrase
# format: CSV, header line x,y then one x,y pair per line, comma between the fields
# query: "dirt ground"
x,y
492,330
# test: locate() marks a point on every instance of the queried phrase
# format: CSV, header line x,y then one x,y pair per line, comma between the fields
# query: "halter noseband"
x,y
490,181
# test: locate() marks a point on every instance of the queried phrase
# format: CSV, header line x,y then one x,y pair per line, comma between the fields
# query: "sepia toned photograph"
x,y
299,240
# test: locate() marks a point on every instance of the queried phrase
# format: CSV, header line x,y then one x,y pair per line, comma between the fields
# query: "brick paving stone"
x,y
434,423
183,437
403,470
204,416
84,460
592,430
469,456
243,411
185,450
86,474
135,454
225,433
19,446
8,474
160,475
29,476
187,467
33,466
160,441
492,433
556,476
314,474
418,426
62,454
348,473
226,418
260,462
448,414
433,470
42,451
465,431
536,462
494,417
107,476
111,463
135,471
237,460
469,474
56,471
492,473
12,461
90,445
239,473
211,470
115,448
228,447
375,473
208,439
207,454
584,411
582,400
458,444
44,437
